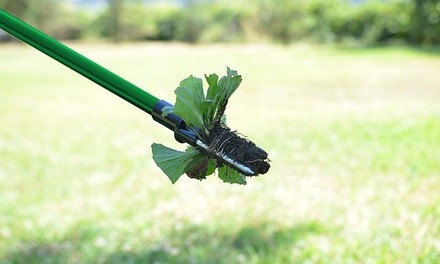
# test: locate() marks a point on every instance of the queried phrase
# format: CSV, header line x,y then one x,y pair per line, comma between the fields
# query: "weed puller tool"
x,y
159,109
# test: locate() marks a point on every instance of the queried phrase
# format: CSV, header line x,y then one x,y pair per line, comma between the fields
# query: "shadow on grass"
x,y
263,243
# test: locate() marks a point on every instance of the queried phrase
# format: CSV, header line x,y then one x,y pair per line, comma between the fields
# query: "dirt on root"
x,y
240,149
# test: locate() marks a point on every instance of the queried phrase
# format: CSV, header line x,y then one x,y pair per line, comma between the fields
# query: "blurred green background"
x,y
353,22
344,96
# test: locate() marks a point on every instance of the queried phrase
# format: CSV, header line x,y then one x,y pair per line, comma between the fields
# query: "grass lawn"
x,y
353,135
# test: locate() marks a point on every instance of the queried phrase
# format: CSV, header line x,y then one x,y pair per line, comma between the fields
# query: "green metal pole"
x,y
77,62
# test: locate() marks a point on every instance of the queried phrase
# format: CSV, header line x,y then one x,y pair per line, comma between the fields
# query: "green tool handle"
x,y
77,62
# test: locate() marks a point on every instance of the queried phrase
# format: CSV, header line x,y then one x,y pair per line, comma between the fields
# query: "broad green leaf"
x,y
231,176
195,84
205,107
211,166
212,80
189,101
172,162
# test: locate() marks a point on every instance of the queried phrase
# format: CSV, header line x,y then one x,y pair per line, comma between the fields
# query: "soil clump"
x,y
222,139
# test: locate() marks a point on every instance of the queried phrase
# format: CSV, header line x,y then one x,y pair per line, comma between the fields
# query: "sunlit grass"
x,y
354,137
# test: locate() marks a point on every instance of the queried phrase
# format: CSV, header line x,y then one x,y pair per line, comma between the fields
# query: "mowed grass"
x,y
353,135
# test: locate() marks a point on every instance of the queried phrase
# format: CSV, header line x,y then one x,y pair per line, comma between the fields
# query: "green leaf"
x,y
205,107
212,80
199,112
189,101
195,84
173,162
227,174
217,96
212,164
229,84
226,87
208,107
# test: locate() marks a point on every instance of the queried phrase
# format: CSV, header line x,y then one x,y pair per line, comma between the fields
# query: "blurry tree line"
x,y
328,21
